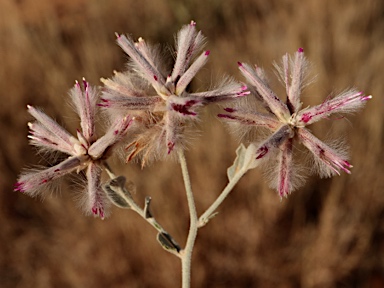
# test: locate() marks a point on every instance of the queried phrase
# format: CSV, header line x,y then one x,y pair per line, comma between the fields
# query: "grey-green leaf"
x,y
167,242
116,192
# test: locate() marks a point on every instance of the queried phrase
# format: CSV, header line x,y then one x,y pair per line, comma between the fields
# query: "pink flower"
x,y
287,122
85,151
161,105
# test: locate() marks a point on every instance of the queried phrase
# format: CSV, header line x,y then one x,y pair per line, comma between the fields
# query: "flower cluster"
x,y
151,108
287,122
86,151
159,101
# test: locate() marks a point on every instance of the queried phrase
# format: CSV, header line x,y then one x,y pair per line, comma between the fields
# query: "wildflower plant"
x,y
152,109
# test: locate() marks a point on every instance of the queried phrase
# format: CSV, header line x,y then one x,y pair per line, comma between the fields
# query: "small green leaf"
x,y
167,242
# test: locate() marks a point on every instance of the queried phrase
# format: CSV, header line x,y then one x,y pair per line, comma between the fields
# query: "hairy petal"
x,y
85,104
285,167
250,118
122,84
298,68
189,41
226,91
187,77
104,144
148,71
31,182
329,161
95,195
274,103
50,125
41,137
347,102
274,141
130,103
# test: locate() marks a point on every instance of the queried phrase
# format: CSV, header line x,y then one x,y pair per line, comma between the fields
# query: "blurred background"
x,y
329,233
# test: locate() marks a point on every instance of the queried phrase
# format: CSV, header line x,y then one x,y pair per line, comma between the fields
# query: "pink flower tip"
x,y
193,23
207,52
117,35
300,50
365,98
19,187
98,212
240,64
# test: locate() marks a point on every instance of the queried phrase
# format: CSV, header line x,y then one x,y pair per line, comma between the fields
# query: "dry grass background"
x,y
330,233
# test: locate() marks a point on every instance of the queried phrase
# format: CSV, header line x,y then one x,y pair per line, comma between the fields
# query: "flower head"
x,y
85,151
287,121
159,101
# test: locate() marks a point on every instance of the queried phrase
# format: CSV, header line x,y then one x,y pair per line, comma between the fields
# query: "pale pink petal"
x,y
187,77
297,76
273,102
250,118
95,202
115,133
130,103
85,105
50,125
274,141
31,182
148,71
329,161
41,137
347,102
189,41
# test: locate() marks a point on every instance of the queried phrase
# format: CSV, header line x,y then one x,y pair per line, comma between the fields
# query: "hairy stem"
x,y
186,255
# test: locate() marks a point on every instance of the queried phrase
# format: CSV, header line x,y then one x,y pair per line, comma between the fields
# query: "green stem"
x,y
186,256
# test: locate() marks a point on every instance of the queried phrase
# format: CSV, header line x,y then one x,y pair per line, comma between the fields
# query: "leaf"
x,y
116,192
167,242
245,159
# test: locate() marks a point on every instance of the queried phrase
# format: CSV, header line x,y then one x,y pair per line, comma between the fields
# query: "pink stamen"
x,y
300,50
207,52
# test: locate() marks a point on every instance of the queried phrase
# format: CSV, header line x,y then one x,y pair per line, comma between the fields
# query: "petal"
x,y
329,161
43,138
85,105
248,118
285,167
31,182
346,102
228,90
187,77
130,103
103,145
274,141
148,71
298,68
274,103
189,41
56,133
95,200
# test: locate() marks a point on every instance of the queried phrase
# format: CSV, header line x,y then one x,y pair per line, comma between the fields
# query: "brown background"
x,y
330,233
